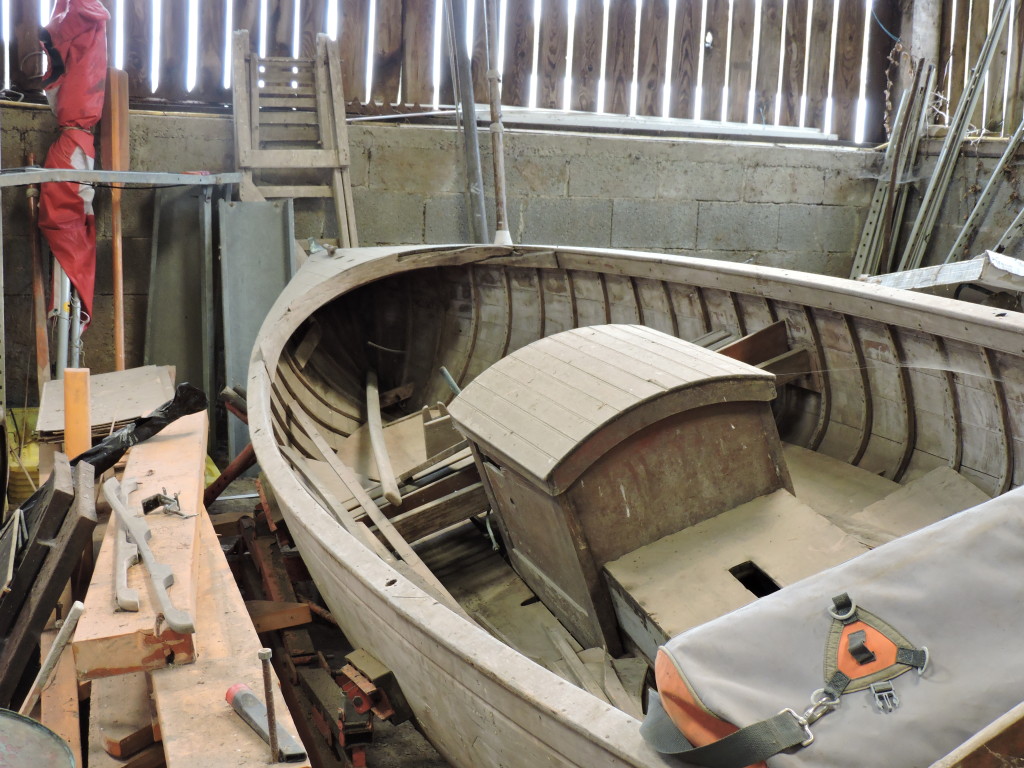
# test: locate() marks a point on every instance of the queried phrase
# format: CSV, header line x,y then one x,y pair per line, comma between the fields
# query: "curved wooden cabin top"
x,y
563,409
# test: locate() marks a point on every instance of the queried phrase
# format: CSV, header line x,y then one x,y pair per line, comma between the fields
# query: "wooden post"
x,y
77,428
114,148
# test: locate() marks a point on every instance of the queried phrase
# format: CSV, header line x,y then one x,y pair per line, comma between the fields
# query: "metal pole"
x,y
467,101
62,292
38,291
502,236
76,330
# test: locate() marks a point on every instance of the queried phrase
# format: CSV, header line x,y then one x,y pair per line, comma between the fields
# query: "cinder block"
x,y
388,218
806,228
415,169
567,221
602,175
783,184
654,224
699,181
737,226
528,174
445,220
849,187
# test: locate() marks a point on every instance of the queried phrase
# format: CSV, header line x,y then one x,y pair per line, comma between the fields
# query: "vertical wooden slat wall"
x,y
418,51
668,61
518,64
715,59
652,59
689,49
387,51
619,58
793,62
741,59
766,84
554,40
846,80
586,55
819,54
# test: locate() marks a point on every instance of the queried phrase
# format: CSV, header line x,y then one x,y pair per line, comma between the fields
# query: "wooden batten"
x,y
59,700
111,642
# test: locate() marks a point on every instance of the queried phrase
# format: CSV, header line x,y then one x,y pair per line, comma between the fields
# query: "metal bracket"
x,y
171,505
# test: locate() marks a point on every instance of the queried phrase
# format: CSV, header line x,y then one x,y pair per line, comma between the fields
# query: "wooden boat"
x,y
886,383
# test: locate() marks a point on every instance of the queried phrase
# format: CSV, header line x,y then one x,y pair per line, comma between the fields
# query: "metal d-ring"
x,y
843,616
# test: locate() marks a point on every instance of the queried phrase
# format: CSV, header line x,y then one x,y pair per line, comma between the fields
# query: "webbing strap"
x,y
912,656
837,684
753,744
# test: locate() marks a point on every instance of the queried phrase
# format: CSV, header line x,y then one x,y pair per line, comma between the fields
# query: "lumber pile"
x,y
158,695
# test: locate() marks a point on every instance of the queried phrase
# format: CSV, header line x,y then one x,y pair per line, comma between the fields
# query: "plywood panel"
x,y
586,55
740,60
651,64
687,52
551,61
518,64
715,59
619,62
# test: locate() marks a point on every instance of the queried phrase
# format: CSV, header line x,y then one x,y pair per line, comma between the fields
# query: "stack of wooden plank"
x,y
115,400
157,696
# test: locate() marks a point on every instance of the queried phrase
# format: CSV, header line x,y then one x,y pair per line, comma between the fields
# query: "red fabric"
x,y
78,32
68,227
78,29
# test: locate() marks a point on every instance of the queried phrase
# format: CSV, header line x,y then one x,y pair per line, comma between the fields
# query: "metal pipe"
x,y
502,236
75,342
62,292
467,100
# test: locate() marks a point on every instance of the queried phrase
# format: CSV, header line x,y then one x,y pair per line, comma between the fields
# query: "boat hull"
x,y
898,384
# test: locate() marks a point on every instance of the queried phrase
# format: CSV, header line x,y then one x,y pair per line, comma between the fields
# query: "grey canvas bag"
x,y
954,588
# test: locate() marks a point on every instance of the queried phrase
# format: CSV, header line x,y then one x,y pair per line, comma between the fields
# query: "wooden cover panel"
x,y
604,372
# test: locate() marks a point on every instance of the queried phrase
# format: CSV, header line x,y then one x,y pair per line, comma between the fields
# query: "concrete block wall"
x,y
797,207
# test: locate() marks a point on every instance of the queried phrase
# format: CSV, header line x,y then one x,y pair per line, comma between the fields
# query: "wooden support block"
x,y
111,642
756,347
77,432
271,615
59,700
199,728
74,536
120,715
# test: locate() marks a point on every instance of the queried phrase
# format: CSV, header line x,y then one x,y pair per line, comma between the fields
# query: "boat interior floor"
x,y
841,511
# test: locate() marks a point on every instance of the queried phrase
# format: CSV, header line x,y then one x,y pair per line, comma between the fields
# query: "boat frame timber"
x,y
481,702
